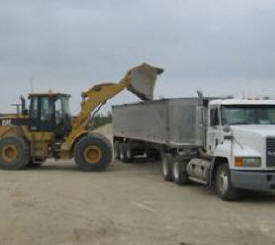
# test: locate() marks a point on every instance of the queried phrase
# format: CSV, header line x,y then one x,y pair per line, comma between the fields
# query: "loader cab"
x,y
50,112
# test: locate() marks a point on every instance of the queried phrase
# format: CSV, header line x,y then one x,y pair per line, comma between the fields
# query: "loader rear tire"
x,y
93,153
14,153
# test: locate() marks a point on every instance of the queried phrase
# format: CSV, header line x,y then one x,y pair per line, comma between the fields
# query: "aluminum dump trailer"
x,y
198,140
172,122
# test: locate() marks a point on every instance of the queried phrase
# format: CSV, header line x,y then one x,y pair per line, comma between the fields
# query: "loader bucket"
x,y
142,81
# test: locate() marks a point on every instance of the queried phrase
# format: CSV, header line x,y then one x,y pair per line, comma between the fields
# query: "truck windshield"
x,y
248,114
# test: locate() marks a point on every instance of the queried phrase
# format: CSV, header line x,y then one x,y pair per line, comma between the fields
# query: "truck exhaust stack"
x,y
142,80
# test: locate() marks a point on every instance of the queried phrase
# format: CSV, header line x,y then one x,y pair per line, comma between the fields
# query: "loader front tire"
x,y
93,153
14,153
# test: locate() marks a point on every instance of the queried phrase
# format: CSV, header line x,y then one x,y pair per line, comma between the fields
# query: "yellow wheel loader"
x,y
47,130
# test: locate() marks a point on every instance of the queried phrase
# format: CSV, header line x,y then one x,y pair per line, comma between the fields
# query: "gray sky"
x,y
219,46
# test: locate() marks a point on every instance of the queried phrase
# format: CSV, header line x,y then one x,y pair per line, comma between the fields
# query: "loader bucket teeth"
x,y
143,80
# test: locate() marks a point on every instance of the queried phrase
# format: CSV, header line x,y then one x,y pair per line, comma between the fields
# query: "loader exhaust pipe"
x,y
142,80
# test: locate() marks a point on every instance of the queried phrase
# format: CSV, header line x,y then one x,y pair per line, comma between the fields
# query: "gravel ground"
x,y
128,204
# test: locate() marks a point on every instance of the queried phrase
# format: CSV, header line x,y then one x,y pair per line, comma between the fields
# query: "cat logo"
x,y
6,123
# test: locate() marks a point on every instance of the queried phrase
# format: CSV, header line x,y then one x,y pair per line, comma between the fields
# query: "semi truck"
x,y
225,143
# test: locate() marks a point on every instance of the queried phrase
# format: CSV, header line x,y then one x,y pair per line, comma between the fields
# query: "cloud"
x,y
70,45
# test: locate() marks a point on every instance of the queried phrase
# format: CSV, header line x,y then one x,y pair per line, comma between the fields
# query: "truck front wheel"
x,y
93,153
223,183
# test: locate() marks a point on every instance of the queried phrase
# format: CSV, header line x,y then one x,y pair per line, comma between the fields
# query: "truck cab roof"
x,y
242,102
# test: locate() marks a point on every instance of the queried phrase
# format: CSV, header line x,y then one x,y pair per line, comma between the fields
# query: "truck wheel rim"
x,y
92,154
223,182
176,170
9,153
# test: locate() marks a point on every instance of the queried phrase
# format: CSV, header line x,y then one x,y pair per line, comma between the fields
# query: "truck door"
x,y
214,129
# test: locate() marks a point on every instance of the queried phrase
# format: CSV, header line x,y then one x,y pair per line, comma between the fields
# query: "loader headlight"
x,y
248,162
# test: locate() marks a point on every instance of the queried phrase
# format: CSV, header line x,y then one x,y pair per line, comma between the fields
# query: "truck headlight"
x,y
248,162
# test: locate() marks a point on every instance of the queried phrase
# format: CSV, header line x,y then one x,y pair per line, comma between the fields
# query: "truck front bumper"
x,y
260,181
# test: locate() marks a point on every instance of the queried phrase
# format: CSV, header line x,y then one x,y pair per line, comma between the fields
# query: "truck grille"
x,y
270,152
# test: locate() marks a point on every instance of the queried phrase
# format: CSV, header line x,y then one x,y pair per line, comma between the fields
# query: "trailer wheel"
x,y
128,152
223,184
93,153
122,155
116,150
14,153
166,166
179,172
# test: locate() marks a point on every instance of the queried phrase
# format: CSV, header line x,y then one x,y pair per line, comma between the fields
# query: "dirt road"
x,y
128,204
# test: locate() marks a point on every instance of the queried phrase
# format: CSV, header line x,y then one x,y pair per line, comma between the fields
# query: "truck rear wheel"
x,y
14,153
166,166
179,172
93,153
223,184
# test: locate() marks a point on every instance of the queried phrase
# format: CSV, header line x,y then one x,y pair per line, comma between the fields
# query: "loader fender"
x,y
78,137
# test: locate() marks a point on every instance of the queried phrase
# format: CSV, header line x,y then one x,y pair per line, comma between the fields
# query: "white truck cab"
x,y
241,133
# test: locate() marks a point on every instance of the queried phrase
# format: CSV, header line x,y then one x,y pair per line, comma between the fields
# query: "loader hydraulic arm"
x,y
92,99
139,80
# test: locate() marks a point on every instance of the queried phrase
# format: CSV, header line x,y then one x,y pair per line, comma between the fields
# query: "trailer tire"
x,y
223,185
93,153
180,176
128,153
116,150
122,155
166,166
14,153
